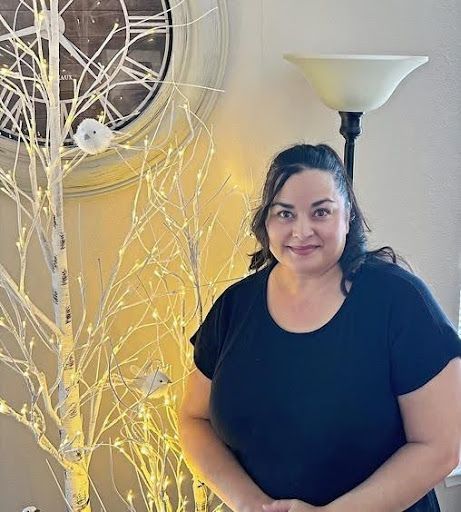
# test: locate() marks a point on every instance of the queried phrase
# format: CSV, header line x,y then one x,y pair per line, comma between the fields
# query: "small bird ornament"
x,y
93,137
152,385
31,509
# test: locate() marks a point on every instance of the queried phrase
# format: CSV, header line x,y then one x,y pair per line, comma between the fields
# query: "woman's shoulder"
x,y
405,293
393,277
245,288
248,282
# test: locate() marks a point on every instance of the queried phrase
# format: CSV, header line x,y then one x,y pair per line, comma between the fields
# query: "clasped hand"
x,y
291,506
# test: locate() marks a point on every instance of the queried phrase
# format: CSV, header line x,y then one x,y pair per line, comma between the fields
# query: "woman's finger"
x,y
278,506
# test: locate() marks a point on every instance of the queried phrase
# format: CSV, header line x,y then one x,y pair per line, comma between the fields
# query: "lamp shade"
x,y
355,83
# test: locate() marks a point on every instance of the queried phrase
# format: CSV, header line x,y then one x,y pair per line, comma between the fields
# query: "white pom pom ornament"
x,y
93,137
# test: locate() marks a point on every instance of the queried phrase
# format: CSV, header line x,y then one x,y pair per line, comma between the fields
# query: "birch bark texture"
x,y
71,431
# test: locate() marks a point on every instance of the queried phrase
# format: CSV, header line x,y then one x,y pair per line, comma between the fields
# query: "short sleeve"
x,y
208,339
422,339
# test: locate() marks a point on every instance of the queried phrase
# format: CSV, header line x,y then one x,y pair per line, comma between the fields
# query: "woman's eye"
x,y
322,212
285,214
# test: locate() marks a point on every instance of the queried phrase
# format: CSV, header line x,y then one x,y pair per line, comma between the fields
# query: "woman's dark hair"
x,y
294,160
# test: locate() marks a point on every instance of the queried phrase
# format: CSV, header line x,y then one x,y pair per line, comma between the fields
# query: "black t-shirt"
x,y
312,415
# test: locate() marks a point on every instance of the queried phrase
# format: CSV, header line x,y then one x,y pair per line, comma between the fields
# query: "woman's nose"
x,y
302,227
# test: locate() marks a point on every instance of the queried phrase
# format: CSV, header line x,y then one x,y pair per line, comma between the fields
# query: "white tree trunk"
x,y
72,440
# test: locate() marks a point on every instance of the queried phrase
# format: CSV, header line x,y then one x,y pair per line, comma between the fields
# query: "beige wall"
x,y
407,160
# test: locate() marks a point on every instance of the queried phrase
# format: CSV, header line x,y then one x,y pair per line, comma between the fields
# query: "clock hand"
x,y
74,51
65,7
19,33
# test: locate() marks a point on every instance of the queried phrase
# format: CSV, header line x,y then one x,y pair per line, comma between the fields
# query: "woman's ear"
x,y
350,215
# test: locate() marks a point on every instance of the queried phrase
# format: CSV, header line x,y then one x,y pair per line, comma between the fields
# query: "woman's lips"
x,y
303,250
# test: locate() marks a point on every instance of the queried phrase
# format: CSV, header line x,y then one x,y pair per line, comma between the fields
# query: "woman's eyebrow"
x,y
315,203
283,205
326,200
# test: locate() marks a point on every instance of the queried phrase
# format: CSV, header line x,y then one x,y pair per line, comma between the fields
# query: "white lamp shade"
x,y
355,83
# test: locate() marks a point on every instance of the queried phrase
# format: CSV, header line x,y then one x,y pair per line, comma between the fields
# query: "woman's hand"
x,y
290,506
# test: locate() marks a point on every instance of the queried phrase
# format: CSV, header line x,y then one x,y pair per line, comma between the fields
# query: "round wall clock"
x,y
129,59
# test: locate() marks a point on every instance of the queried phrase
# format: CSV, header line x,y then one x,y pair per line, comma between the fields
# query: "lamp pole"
x,y
350,129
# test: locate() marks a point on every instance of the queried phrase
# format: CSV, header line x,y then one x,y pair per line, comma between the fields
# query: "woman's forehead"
x,y
308,185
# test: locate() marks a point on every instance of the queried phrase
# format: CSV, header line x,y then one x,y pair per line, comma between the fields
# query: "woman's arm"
x,y
208,457
432,421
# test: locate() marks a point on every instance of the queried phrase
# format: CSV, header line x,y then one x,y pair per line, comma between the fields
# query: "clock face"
x,y
116,52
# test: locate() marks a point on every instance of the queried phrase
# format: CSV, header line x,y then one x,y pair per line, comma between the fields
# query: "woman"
x,y
329,379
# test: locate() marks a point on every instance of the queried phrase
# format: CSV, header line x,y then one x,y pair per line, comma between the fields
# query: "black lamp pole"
x,y
350,129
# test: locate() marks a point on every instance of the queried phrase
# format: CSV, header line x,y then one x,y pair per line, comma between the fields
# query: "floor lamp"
x,y
353,85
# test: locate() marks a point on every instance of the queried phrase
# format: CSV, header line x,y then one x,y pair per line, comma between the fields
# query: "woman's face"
x,y
307,223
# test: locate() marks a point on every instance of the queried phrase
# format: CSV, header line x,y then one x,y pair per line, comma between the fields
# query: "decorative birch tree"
x,y
109,388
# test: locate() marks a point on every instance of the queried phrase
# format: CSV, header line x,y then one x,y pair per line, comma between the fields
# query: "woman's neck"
x,y
305,285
